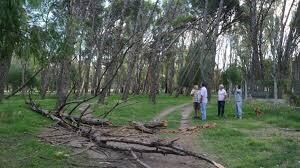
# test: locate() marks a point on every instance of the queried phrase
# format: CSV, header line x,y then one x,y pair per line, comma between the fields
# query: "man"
x,y
196,100
222,94
238,101
203,101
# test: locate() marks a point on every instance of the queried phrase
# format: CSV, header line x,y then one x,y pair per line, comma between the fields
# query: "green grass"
x,y
252,141
138,108
174,119
19,146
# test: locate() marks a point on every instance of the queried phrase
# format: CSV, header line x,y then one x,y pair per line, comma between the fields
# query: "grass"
x,y
252,141
137,108
174,119
19,146
19,126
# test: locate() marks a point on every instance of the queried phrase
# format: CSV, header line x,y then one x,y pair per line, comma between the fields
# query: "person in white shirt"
x,y
222,94
196,100
203,101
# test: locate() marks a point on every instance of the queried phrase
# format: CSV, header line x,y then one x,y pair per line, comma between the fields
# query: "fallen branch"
x,y
140,126
138,160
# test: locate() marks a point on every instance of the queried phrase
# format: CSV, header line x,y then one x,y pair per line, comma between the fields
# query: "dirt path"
x,y
185,116
187,141
169,110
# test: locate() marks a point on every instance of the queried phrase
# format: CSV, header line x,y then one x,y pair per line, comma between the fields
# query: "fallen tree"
x,y
160,146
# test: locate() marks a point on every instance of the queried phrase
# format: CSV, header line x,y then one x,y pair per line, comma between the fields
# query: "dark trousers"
x,y
196,108
221,106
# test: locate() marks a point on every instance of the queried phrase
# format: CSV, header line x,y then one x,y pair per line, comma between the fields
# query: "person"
x,y
196,101
238,102
203,101
222,94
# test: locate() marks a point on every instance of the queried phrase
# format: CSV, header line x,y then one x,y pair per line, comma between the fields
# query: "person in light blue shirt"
x,y
238,101
203,101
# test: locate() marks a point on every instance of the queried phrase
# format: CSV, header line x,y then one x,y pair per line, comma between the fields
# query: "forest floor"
x,y
272,140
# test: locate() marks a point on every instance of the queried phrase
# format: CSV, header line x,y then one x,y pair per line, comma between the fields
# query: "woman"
x,y
196,102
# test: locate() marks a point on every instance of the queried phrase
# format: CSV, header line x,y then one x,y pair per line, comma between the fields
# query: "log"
x,y
88,121
140,126
155,124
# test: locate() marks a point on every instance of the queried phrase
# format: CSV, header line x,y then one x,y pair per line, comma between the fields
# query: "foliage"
x,y
232,75
15,77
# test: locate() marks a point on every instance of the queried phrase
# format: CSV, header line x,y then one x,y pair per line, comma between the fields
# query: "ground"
x,y
269,141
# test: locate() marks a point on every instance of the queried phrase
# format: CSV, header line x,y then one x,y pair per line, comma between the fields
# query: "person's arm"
x,y
192,92
201,96
225,94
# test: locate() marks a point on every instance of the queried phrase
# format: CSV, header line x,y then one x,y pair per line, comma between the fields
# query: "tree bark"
x,y
87,73
65,64
5,62
44,82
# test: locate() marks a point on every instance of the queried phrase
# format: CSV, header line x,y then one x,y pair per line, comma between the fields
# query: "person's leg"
x,y
203,111
236,109
222,108
195,109
198,110
219,108
239,107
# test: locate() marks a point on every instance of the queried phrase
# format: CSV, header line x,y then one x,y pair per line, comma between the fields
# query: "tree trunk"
x,y
87,74
246,90
63,82
44,82
65,64
154,76
96,75
255,66
5,62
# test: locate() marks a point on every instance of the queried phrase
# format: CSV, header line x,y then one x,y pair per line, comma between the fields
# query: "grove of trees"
x,y
96,47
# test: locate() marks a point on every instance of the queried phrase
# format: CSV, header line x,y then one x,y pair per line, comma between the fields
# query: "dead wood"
x,y
150,127
155,124
140,126
138,160
88,121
